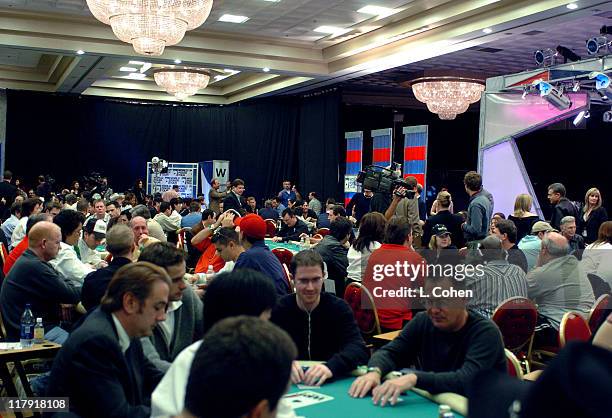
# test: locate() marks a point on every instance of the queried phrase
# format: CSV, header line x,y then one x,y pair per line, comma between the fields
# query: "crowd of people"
x,y
160,301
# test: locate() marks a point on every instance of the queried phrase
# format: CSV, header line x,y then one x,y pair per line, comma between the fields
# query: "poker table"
x,y
416,403
294,248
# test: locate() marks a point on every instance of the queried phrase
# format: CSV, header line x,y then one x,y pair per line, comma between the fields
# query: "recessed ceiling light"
x,y
265,69
137,62
487,30
128,69
572,6
80,52
177,61
273,1
233,18
136,76
377,10
331,30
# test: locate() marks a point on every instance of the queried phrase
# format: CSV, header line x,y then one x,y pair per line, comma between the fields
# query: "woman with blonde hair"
x,y
592,215
522,216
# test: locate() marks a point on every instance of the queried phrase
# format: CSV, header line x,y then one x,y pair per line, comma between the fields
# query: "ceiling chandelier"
x,y
447,95
151,25
181,82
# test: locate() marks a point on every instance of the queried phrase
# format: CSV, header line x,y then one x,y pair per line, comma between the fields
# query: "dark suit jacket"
x,y
596,218
8,192
231,202
96,282
100,380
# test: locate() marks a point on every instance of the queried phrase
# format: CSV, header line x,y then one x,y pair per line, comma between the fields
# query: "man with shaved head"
x,y
557,285
32,280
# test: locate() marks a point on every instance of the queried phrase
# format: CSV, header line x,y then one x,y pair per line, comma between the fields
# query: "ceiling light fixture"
x,y
447,95
379,11
572,6
182,82
553,95
265,69
80,52
233,18
487,30
128,69
151,25
177,61
331,30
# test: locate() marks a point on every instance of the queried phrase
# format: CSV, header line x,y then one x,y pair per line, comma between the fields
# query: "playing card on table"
x,y
306,398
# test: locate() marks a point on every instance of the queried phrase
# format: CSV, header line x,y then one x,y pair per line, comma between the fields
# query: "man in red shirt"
x,y
23,245
392,270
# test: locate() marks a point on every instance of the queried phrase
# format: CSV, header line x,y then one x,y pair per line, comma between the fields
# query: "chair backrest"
x,y
364,310
516,318
573,327
599,308
284,255
514,366
323,231
288,278
318,236
270,228
599,285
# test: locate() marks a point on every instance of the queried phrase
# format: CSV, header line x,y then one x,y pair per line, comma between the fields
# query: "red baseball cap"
x,y
252,226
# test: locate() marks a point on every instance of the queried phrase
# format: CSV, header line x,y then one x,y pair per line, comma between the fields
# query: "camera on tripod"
x,y
384,180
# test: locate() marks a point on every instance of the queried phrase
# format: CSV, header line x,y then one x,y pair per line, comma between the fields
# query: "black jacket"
x,y
445,361
452,223
100,380
523,225
594,221
562,209
233,201
361,204
7,192
96,282
293,233
34,281
328,334
335,257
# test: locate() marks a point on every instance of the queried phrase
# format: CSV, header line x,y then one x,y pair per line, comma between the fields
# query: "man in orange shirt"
x,y
202,239
23,245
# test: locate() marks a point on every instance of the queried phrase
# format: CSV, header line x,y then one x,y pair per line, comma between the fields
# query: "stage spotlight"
x,y
606,30
553,95
607,116
541,56
525,92
581,116
576,87
567,54
597,43
602,84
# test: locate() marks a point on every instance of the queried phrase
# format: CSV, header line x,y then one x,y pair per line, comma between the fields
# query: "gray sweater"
x,y
480,211
188,328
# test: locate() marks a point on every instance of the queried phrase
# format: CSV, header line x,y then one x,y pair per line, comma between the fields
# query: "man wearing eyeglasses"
x,y
447,343
321,324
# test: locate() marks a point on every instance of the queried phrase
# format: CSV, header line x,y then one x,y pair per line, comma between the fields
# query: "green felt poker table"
x,y
414,405
294,248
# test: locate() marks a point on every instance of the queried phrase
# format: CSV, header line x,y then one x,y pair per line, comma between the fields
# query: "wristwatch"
x,y
375,369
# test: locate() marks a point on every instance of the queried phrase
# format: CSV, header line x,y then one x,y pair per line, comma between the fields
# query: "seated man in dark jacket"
x,y
292,227
334,252
120,244
448,345
321,325
101,367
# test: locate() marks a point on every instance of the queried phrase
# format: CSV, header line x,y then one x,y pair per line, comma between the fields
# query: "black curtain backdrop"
x,y
265,141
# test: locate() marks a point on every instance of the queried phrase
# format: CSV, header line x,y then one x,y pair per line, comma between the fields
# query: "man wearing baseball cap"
x,y
257,255
530,245
94,232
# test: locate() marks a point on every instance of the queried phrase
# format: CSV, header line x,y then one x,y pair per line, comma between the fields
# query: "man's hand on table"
x,y
363,384
277,239
388,392
315,375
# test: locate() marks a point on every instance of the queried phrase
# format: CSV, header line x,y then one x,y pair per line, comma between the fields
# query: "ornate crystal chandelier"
x,y
447,95
151,25
181,82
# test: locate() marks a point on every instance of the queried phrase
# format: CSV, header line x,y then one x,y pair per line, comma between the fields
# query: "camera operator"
x,y
405,204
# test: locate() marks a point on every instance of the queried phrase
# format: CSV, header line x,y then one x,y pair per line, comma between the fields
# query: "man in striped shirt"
x,y
499,280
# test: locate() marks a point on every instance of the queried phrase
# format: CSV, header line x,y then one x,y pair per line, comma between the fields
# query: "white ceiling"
x,y
43,35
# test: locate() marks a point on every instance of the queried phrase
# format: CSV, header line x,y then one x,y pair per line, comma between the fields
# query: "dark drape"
x,y
265,140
